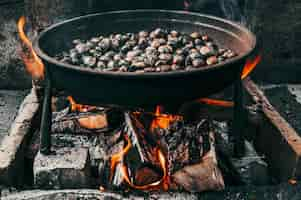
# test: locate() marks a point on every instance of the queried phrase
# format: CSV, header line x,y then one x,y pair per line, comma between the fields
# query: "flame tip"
x,y
250,66
33,63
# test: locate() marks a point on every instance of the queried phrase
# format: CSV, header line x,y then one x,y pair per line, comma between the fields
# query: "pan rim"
x,y
42,54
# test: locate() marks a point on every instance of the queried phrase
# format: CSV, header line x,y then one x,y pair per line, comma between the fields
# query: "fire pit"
x,y
149,89
144,89
148,150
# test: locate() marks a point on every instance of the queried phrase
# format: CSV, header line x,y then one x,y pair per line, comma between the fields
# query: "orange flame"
x,y
79,107
118,157
250,66
216,102
33,63
163,182
163,120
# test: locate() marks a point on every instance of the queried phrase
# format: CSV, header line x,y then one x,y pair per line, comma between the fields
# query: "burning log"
x,y
186,144
202,176
139,164
192,161
137,157
98,121
142,156
180,157
151,151
108,179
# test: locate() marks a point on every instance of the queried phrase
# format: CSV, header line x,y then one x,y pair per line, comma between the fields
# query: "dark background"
x,y
275,22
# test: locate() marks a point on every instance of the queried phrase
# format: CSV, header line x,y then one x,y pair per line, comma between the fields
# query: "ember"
x,y
119,158
162,121
153,162
152,186
250,66
79,107
216,102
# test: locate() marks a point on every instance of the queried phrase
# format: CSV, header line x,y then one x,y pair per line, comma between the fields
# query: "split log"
x,y
99,121
189,149
141,159
109,180
142,155
185,144
202,176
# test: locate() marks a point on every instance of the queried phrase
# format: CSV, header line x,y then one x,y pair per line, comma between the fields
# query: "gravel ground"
x,y
10,101
280,192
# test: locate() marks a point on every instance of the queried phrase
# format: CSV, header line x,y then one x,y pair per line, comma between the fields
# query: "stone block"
x,y
66,168
12,145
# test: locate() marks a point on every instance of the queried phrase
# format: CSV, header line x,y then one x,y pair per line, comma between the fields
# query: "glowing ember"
x,y
163,120
163,183
250,66
165,180
93,122
292,181
33,63
79,107
216,102
102,189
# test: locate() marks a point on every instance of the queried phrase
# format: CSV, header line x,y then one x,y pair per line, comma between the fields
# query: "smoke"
x,y
229,9
233,10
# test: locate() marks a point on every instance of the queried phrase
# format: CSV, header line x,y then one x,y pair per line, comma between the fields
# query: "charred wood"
x,y
86,123
142,155
185,144
202,176
189,150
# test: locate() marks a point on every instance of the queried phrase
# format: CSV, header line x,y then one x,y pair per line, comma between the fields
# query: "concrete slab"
x,y
286,98
13,142
10,101
67,168
275,137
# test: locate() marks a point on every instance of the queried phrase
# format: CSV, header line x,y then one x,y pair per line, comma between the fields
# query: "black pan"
x,y
139,90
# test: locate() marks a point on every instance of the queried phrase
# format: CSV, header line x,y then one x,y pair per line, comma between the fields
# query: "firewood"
x,y
189,150
202,176
147,175
86,123
185,144
140,161
143,151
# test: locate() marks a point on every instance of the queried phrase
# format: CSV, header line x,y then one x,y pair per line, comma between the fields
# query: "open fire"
x,y
159,151
33,63
161,121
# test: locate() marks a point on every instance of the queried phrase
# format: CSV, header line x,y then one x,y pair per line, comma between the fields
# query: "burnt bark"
x,y
185,144
101,120
202,176
189,150
142,155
